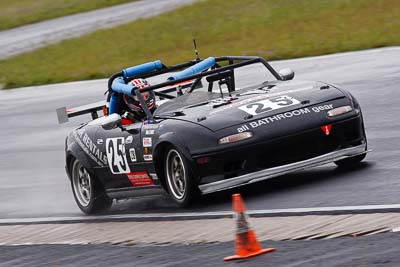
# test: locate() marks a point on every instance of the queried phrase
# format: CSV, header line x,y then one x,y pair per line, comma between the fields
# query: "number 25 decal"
x,y
116,155
269,104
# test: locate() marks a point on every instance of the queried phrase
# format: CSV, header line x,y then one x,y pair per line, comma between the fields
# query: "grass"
x,y
268,28
15,13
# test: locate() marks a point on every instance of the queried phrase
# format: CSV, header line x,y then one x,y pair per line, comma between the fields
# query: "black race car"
x,y
221,123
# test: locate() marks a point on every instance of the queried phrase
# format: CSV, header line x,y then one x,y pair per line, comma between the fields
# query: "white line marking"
x,y
208,215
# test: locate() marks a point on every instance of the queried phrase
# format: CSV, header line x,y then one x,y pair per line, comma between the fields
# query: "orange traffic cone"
x,y
246,241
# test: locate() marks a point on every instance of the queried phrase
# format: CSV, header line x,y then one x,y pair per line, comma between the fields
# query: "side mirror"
x,y
286,74
107,122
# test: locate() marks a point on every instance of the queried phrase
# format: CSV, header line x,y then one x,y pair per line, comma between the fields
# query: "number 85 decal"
x,y
269,105
116,155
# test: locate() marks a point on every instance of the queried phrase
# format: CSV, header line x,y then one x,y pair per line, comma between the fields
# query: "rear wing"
x,y
63,114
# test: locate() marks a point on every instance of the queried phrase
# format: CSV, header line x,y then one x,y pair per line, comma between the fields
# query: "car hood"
x,y
215,113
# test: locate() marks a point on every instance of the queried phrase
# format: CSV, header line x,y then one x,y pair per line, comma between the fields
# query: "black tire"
x,y
89,196
350,162
179,178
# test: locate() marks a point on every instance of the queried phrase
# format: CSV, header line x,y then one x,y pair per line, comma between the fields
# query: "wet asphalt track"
x,y
378,250
34,184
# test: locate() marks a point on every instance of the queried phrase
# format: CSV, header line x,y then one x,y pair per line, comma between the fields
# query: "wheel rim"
x,y
81,182
176,174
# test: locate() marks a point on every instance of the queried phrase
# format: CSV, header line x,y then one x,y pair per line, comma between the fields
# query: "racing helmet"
x,y
132,102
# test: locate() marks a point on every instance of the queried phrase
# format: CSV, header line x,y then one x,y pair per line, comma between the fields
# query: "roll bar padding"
x,y
119,86
197,68
143,68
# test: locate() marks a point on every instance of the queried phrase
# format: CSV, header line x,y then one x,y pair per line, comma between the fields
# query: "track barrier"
x,y
246,242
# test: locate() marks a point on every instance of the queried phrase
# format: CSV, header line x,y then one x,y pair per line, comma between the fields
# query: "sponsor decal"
x,y
150,132
153,176
326,129
89,147
132,155
147,142
99,141
150,126
270,119
140,179
115,148
321,108
148,157
270,104
146,150
129,139
282,116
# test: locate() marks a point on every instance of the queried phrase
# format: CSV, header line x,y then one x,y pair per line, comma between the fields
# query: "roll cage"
x,y
222,70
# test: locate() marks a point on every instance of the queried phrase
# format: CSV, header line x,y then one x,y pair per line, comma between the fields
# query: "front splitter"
x,y
282,170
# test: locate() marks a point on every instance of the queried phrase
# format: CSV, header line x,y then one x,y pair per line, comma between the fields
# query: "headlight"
x,y
235,138
339,111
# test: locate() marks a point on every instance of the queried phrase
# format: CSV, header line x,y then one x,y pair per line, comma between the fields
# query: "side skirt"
x,y
132,192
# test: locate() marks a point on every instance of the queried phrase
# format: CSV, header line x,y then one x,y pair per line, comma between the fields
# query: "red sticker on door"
x,y
140,178
326,129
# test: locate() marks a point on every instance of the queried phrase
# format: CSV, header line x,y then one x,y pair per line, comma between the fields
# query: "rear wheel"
x,y
89,196
179,178
350,162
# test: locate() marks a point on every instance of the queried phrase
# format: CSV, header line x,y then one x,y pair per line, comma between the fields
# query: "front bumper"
x,y
284,169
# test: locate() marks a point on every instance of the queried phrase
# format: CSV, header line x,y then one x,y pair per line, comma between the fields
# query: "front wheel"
x,y
89,196
180,182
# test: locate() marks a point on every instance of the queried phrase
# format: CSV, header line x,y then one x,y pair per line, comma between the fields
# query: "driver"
x,y
132,109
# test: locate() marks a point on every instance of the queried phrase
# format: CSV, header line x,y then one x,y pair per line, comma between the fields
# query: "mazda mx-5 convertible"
x,y
220,123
